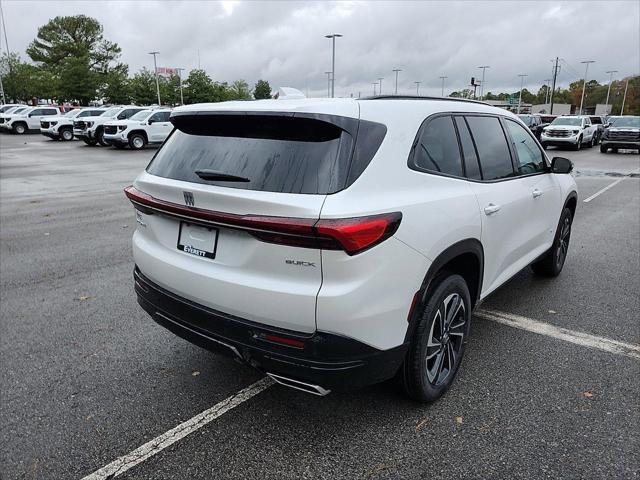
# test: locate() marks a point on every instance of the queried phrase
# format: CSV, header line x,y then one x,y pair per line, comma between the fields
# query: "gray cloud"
x,y
284,42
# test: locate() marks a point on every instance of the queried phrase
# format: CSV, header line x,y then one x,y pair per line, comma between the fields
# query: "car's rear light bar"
x,y
353,235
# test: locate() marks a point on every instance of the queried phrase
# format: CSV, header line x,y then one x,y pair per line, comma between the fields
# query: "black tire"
x,y
20,128
91,143
66,134
137,141
100,137
119,146
433,341
593,142
551,263
578,145
603,149
614,150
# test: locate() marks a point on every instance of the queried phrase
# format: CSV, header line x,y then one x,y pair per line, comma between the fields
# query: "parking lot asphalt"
x,y
87,377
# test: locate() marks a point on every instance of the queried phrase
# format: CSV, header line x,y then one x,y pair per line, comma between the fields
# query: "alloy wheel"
x,y
138,142
563,242
67,135
445,339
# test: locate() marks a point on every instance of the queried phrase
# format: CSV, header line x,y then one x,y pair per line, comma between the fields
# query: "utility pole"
x,y
521,75
483,67
4,100
155,68
584,81
328,84
610,72
180,79
397,70
198,59
333,37
442,92
374,88
546,93
417,88
380,81
624,97
553,88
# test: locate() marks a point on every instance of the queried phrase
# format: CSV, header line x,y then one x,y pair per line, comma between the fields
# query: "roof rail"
x,y
419,97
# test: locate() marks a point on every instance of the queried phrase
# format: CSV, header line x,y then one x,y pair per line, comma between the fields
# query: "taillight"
x,y
353,235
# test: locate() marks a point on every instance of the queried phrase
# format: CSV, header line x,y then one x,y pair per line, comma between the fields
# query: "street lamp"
x,y
521,75
442,78
584,81
155,69
610,72
546,93
374,88
417,88
397,70
328,84
380,81
180,79
333,37
483,67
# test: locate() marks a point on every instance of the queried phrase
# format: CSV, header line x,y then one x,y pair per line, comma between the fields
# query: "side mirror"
x,y
561,165
151,121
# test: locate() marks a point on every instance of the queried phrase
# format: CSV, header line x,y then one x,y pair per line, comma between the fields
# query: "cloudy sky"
x,y
283,42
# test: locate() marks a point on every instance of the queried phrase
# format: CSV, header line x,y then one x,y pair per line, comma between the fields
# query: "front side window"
x,y
530,158
36,112
492,147
437,148
50,111
141,115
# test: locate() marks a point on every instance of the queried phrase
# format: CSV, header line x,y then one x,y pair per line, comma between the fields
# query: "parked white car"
x,y
338,243
91,129
8,106
570,131
8,112
23,120
61,127
143,128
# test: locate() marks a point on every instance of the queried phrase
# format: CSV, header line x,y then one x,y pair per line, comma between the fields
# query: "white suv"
x,y
22,121
338,243
145,127
61,127
8,112
570,131
91,129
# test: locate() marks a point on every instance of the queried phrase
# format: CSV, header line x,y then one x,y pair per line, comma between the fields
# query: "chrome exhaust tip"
x,y
298,385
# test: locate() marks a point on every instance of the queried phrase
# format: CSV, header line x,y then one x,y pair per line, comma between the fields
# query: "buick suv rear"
x,y
339,243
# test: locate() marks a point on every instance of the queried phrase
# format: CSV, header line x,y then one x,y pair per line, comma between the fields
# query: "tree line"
x,y
595,93
71,61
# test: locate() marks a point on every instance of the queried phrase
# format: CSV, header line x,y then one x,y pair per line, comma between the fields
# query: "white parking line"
x,y
149,449
572,336
611,185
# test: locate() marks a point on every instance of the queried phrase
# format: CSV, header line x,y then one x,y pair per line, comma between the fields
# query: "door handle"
x,y
491,209
536,193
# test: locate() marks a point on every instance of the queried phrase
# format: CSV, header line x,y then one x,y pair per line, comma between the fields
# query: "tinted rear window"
x,y
492,147
276,153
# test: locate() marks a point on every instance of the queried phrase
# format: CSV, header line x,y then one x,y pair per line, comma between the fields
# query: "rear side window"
x,y
492,147
275,153
471,165
437,148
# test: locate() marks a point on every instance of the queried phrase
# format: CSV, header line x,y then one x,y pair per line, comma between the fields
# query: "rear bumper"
x,y
327,360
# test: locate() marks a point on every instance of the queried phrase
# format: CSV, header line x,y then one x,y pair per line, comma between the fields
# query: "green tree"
x,y
143,88
116,88
23,81
262,90
239,90
75,44
198,87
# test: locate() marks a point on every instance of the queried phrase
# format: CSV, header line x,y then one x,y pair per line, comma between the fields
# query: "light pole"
x,y
380,82
483,67
521,75
546,93
155,69
584,81
610,72
180,79
624,97
374,88
417,88
333,37
328,84
397,70
442,78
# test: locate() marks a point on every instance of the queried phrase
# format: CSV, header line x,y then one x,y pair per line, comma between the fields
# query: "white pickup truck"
x,y
22,121
91,129
8,112
145,127
61,127
570,131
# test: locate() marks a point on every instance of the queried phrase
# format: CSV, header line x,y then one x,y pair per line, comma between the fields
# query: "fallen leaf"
x,y
588,394
552,311
459,420
46,234
421,424
195,373
125,226
82,298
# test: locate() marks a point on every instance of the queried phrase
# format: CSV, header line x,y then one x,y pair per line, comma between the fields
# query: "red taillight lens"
x,y
289,342
353,235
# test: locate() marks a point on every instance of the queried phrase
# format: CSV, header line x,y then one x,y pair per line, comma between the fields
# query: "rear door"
x,y
284,167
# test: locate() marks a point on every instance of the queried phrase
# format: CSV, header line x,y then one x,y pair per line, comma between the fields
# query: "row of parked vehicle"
x,y
576,131
120,126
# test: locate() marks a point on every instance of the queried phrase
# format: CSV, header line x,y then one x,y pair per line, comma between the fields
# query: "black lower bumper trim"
x,y
328,360
621,144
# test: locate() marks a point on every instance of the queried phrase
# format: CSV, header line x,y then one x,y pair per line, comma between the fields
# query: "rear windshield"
x,y
275,153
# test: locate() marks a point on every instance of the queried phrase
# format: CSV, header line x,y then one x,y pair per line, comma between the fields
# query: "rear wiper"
x,y
220,176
